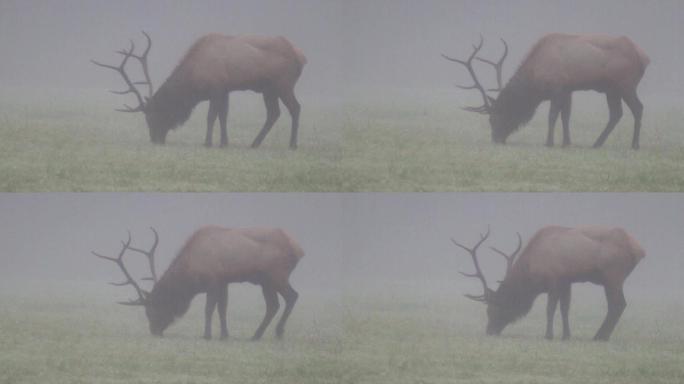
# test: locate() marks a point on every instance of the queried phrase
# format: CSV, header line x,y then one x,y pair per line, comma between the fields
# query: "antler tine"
x,y
122,71
498,66
510,258
486,106
143,62
125,245
150,255
478,271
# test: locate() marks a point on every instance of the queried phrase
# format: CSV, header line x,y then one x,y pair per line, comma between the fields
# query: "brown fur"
x,y
560,64
555,258
212,258
217,64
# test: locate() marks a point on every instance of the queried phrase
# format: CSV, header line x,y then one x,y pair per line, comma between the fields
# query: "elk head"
x,y
502,305
156,121
158,318
501,126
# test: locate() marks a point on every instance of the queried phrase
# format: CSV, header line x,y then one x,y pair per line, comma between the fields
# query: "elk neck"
x,y
518,100
517,292
175,100
173,292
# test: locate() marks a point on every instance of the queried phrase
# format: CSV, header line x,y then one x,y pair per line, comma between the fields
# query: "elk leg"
x,y
615,111
554,109
565,308
616,305
565,118
211,118
294,108
550,312
222,306
290,296
637,109
209,312
272,114
272,305
223,119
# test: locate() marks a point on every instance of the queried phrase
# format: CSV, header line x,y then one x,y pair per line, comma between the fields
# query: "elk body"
x,y
554,259
556,66
212,258
214,66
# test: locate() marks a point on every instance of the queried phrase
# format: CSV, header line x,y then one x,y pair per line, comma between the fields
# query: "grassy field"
x,y
400,333
397,141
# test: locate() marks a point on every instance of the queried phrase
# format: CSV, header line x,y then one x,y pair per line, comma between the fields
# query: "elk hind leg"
x,y
637,109
272,114
565,294
272,305
615,112
211,118
290,296
616,305
294,108
212,298
550,312
222,302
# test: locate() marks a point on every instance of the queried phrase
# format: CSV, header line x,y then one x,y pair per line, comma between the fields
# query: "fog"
x,y
351,240
382,43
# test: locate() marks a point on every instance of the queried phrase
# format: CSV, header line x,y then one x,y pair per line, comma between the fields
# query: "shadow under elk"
x,y
212,258
554,259
557,65
214,66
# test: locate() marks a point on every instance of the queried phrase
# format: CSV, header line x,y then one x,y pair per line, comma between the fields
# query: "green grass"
x,y
73,141
393,333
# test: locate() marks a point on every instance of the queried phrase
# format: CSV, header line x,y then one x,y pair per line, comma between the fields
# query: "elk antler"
x,y
131,85
509,258
478,272
142,294
486,107
498,66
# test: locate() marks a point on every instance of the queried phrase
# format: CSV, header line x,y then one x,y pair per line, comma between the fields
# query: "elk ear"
x,y
491,100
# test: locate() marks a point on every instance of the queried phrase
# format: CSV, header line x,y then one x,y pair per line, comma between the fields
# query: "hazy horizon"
x,y
382,44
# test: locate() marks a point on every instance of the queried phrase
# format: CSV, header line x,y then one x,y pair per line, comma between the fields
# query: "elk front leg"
x,y
550,312
222,307
565,308
554,109
616,305
565,118
272,305
223,119
211,118
209,312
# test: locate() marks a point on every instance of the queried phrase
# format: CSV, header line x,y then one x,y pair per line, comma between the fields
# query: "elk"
x,y
212,258
554,259
214,66
557,65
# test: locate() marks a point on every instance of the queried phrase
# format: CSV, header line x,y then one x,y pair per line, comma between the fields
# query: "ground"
x,y
372,141
403,332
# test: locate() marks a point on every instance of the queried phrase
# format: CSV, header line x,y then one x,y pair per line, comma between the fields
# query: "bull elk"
x,y
558,65
554,259
212,258
214,66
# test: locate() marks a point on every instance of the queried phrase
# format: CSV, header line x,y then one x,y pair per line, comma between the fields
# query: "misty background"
x,y
349,44
352,241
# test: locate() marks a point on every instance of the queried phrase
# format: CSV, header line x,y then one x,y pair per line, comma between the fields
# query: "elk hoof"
x,y
207,337
207,144
224,337
548,337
